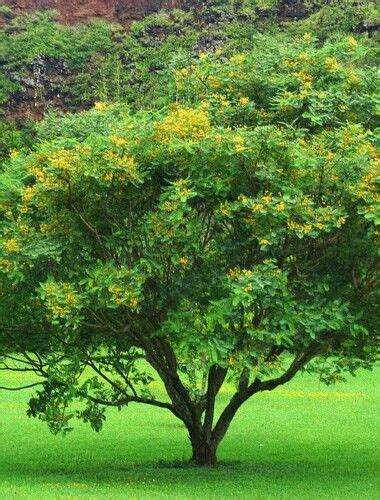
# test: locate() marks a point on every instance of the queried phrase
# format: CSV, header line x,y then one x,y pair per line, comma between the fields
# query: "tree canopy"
x,y
231,234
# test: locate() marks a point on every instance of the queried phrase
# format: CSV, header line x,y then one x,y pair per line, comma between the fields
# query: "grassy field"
x,y
301,441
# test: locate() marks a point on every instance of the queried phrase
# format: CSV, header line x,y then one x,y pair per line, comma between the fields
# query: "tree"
x,y
231,236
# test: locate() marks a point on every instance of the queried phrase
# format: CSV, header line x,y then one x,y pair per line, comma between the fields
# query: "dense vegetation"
x,y
212,216
47,65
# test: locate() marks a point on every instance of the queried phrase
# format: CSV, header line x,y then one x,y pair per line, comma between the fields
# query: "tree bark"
x,y
204,453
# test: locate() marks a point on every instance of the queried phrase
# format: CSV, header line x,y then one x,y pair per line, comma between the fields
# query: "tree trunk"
x,y
204,454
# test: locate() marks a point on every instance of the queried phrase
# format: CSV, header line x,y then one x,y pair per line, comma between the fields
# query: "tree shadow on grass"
x,y
175,472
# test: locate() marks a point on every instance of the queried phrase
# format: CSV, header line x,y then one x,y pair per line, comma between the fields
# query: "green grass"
x,y
304,440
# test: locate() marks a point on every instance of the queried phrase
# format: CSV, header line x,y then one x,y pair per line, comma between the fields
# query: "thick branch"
x,y
216,378
246,391
162,358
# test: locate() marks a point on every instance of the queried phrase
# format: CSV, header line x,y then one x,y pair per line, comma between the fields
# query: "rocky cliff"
x,y
74,11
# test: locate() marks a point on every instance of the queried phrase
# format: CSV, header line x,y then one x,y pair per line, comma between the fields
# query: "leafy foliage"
x,y
231,234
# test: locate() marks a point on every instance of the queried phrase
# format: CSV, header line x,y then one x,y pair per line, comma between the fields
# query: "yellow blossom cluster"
x,y
332,64
11,246
5,264
126,166
117,141
322,220
213,81
63,159
224,210
183,123
300,228
238,59
239,141
263,242
353,79
29,193
4,206
352,41
291,64
60,299
100,106
181,72
123,296
303,76
244,101
23,228
43,177
14,154
237,273
205,105
265,201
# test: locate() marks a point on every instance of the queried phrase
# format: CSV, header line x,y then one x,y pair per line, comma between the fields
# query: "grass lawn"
x,y
304,440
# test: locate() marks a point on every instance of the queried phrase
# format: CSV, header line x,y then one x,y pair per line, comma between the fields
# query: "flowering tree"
x,y
231,236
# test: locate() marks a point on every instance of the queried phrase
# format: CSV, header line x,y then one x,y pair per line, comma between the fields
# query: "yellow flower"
x,y
264,242
332,64
238,59
183,261
352,41
267,198
353,79
5,264
11,245
232,273
71,299
243,101
239,143
257,207
205,104
29,193
117,141
306,37
301,228
280,207
100,106
14,153
133,302
213,82
24,229
183,123
63,159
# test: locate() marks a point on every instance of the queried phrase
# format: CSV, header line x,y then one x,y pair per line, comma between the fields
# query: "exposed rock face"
x,y
42,89
125,11
292,9
74,11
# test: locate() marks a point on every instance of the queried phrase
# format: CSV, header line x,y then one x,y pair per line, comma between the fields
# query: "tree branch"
x,y
216,378
127,400
20,388
246,391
